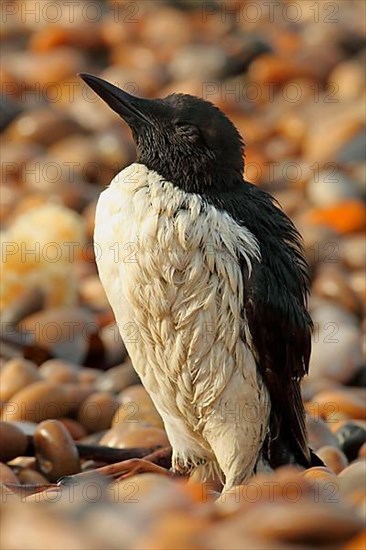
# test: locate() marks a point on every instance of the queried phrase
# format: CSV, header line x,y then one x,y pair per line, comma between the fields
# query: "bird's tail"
x,y
315,460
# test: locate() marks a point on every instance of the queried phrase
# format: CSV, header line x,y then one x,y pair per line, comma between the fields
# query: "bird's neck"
x,y
193,178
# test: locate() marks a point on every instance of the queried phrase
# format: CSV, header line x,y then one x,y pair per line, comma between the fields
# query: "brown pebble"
x,y
325,136
357,543
13,442
7,475
88,375
118,378
44,67
139,486
89,218
301,522
97,411
68,338
319,432
36,402
334,458
56,453
43,126
312,385
27,476
362,451
332,284
7,495
357,281
93,294
136,394
114,348
349,78
21,462
336,352
74,428
318,473
353,477
352,251
122,436
285,485
17,374
340,401
274,69
57,370
131,413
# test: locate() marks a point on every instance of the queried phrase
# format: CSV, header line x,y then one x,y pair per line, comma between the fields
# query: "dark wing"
x,y
275,307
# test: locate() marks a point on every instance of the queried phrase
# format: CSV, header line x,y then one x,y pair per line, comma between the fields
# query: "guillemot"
x,y
208,283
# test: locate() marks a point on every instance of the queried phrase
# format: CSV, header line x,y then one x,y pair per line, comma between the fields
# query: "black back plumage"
x,y
275,308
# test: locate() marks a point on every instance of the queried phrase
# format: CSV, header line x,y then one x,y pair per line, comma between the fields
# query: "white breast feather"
x,y
169,265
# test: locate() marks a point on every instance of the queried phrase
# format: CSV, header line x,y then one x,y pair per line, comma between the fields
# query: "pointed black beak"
x,y
127,106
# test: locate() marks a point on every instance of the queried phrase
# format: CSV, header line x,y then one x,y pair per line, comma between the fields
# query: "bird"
x,y
208,282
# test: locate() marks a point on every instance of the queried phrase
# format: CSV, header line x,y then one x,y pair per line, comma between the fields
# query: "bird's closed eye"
x,y
187,129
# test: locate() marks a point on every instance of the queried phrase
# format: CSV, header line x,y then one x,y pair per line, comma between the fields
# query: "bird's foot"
x,y
185,467
135,466
157,462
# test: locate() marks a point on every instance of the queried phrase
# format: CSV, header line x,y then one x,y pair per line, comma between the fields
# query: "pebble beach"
x,y
291,76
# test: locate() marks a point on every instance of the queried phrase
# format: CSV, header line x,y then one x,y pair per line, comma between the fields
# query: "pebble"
x,y
353,477
7,495
334,458
56,453
286,485
97,411
43,400
331,186
327,134
92,291
336,350
352,151
343,402
357,283
118,378
36,402
315,523
362,451
75,429
167,28
153,51
13,441
57,370
318,430
351,437
68,338
200,61
15,375
136,394
7,475
357,543
130,413
122,436
44,126
114,348
333,284
319,473
43,68
27,476
353,251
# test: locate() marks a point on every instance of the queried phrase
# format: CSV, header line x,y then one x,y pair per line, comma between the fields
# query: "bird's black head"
x,y
186,140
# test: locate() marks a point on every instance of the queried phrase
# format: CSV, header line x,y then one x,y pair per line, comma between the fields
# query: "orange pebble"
x,y
357,543
346,217
318,473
